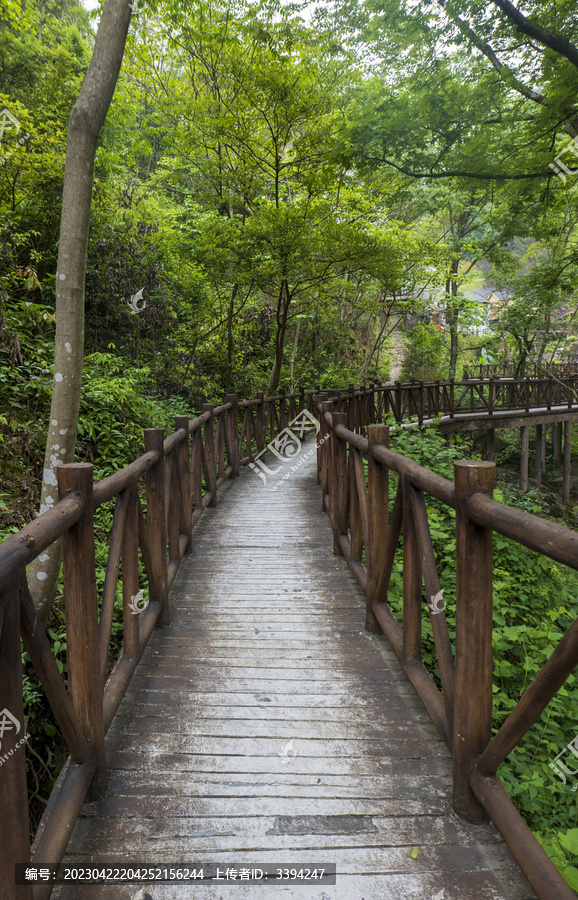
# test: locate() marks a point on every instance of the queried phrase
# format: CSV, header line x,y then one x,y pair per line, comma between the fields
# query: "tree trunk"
x,y
84,124
282,314
230,342
452,315
293,355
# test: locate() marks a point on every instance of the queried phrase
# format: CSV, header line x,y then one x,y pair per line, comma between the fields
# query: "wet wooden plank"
x,y
266,725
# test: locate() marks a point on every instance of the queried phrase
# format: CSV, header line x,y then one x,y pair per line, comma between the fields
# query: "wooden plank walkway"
x,y
265,725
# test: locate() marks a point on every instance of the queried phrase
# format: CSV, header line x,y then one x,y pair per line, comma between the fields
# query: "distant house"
x,y
492,300
489,301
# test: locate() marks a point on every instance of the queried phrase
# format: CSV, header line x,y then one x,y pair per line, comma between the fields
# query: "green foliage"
x,y
562,848
425,354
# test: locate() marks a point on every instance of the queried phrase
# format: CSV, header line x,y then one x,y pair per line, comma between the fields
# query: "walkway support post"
x,y
474,601
490,444
567,460
538,454
378,503
81,611
156,522
525,448
557,442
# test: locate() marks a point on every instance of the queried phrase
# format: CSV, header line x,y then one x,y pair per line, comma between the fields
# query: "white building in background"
x,y
489,301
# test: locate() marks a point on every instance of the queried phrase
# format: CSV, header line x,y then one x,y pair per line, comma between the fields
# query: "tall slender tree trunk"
x,y
230,341
84,124
293,357
283,303
452,315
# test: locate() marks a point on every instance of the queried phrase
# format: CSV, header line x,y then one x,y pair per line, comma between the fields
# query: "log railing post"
x,y
412,579
233,434
321,436
527,398
221,436
339,492
474,602
156,521
210,457
248,426
355,527
260,425
567,460
363,407
172,509
130,576
272,423
371,412
351,407
197,468
324,456
282,410
185,480
15,831
378,502
81,611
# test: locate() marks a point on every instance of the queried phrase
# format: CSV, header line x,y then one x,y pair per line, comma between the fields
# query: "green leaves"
x,y
562,848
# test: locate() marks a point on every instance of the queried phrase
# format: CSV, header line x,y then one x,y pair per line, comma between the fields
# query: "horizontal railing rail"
x,y
357,503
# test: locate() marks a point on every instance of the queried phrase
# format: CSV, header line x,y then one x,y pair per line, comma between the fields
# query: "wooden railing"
x,y
158,499
358,506
533,370
176,478
427,400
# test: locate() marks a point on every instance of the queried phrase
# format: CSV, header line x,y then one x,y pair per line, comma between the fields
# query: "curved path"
x,y
265,725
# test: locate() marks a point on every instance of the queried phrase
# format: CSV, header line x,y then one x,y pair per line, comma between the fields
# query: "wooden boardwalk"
x,y
265,725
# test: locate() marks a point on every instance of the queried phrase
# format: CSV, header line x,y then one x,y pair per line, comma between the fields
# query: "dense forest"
x,y
290,195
